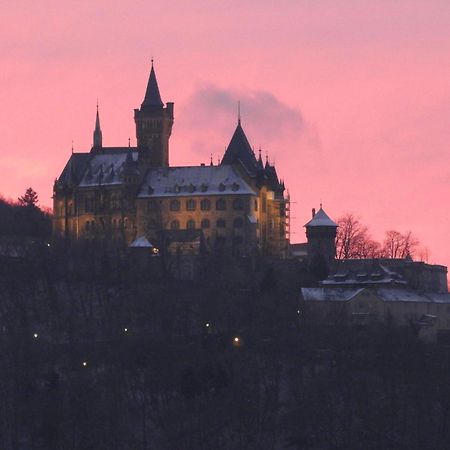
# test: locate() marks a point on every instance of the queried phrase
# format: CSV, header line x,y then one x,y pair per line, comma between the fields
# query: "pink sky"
x,y
350,98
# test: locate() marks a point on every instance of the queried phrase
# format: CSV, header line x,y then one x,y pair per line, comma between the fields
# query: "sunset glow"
x,y
350,99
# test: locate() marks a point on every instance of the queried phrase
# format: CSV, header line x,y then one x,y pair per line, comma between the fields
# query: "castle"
x,y
132,194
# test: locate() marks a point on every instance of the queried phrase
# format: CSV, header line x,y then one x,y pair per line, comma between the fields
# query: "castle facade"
x,y
132,193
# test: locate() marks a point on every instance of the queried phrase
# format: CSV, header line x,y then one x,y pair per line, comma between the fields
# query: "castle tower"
x,y
321,235
153,126
97,141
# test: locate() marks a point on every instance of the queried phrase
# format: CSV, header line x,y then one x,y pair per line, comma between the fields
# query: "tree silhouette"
x,y
29,199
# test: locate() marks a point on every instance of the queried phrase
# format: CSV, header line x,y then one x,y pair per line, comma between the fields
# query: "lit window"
x,y
191,205
205,205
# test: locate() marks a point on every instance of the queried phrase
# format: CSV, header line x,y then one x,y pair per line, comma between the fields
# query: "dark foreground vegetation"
x,y
99,352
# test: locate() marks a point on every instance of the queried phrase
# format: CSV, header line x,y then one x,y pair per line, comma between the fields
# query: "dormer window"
x,y
235,187
177,189
191,188
203,187
150,190
221,187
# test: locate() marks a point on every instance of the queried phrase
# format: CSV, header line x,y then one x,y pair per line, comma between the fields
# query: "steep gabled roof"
x,y
152,95
239,150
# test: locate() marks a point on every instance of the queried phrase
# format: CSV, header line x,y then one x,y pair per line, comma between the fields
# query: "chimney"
x,y
313,212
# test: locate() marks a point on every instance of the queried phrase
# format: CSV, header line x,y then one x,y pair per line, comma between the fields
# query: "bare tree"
x,y
399,245
353,239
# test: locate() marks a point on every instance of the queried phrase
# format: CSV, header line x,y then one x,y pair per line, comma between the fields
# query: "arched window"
x,y
175,225
238,204
238,222
174,205
221,204
190,224
87,225
205,223
205,205
221,223
191,205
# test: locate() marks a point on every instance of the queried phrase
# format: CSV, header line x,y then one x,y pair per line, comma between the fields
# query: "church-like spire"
x,y
97,131
152,96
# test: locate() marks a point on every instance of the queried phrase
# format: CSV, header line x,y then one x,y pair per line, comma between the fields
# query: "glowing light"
x,y
125,329
298,311
84,363
207,325
48,244
236,339
35,335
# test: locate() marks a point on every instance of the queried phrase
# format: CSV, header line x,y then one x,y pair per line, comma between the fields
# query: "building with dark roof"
x,y
124,193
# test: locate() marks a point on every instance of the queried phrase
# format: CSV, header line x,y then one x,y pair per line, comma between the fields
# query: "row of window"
x,y
90,204
205,205
90,225
205,223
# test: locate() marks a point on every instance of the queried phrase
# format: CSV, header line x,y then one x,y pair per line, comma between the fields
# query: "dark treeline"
x,y
24,218
99,352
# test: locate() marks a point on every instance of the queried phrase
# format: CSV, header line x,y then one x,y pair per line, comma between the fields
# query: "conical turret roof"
x,y
239,150
152,95
321,219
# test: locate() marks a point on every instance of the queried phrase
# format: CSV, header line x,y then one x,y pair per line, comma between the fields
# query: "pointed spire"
x,y
211,161
152,95
97,131
239,112
260,162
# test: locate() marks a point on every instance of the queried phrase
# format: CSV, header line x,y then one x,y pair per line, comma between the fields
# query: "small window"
x,y
114,203
256,205
175,225
238,222
205,205
190,225
238,204
221,223
205,223
191,205
87,225
221,204
174,205
264,204
151,205
221,187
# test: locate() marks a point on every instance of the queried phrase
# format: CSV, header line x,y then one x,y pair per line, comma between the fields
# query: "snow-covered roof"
x,y
193,180
329,295
340,294
376,274
141,242
107,166
321,219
